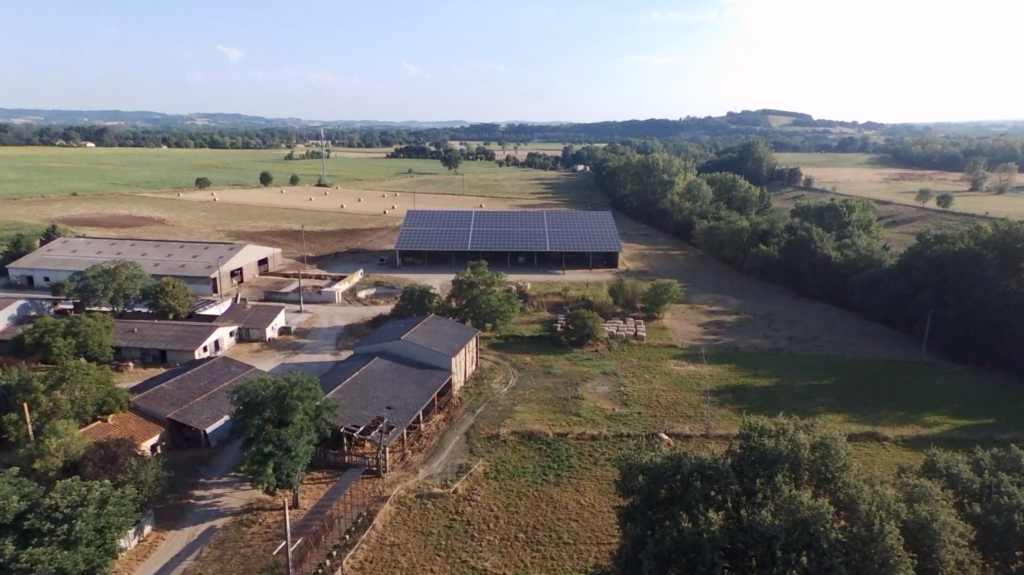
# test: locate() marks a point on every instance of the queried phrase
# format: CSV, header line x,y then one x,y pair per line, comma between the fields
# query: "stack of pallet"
x,y
625,328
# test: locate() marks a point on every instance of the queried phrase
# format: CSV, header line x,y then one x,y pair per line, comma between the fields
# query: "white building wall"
x,y
42,278
464,364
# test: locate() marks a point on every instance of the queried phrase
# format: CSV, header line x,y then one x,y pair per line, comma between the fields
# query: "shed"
x,y
430,339
147,436
170,342
194,400
256,322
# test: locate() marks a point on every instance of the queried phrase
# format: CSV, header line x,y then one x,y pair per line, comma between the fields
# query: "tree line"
x,y
964,283
955,154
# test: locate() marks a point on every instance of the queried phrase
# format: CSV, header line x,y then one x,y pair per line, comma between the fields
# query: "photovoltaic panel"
x,y
511,230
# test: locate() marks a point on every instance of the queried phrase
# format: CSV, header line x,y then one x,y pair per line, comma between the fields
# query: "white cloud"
x,y
410,69
233,54
686,16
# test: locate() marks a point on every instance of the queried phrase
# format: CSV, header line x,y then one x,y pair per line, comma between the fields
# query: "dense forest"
x,y
966,283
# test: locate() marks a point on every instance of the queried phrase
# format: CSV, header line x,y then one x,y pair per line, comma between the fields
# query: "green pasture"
x,y
812,160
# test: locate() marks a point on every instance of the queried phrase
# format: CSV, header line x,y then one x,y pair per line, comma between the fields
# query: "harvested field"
x,y
111,222
901,222
878,177
324,242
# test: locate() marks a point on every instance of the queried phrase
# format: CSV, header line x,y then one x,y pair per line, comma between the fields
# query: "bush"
x,y
203,182
945,200
415,300
626,292
266,178
660,296
582,327
601,302
294,180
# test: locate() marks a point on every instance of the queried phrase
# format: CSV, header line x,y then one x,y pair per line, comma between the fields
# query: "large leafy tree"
x,y
415,300
479,297
119,462
18,246
74,529
89,336
57,445
19,497
1005,178
786,499
452,159
117,284
281,419
976,172
170,298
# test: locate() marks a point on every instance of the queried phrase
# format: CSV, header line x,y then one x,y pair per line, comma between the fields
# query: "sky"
x,y
527,60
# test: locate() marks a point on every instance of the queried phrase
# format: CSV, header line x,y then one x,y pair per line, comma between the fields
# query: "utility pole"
x,y
302,306
28,423
304,262
707,388
220,280
380,443
287,537
323,159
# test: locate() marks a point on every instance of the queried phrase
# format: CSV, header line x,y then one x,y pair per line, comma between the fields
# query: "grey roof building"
x,y
163,342
256,322
206,266
194,400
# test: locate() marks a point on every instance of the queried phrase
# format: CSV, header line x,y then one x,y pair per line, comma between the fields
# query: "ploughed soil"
x,y
114,221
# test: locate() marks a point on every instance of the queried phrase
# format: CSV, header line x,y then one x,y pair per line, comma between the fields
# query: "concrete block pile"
x,y
626,328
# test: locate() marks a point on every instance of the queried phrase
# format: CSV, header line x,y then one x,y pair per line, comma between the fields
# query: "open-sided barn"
x,y
529,238
207,267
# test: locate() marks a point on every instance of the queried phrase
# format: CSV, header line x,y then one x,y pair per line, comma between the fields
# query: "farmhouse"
x,y
170,342
382,402
147,436
534,238
256,322
207,267
193,401
431,340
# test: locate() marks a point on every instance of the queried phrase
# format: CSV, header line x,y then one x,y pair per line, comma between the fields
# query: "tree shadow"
x,y
957,402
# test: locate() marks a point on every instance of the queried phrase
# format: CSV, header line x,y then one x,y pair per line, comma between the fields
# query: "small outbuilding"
x,y
170,342
194,400
256,322
147,436
431,340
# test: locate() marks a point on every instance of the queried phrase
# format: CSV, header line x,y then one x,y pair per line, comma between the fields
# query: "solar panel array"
x,y
527,231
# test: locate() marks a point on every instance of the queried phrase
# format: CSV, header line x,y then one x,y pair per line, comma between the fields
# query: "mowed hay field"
x,y
878,177
543,500
42,171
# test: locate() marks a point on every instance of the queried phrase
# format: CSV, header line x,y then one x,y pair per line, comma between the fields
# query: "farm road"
x,y
221,493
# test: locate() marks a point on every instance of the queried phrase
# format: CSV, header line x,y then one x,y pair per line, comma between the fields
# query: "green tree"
x,y
581,327
281,419
924,195
75,529
53,232
170,297
266,178
626,292
18,246
452,159
203,182
119,462
808,181
293,181
479,297
945,200
415,300
976,172
57,446
89,336
660,296
20,497
62,288
1005,178
787,497
118,284
754,160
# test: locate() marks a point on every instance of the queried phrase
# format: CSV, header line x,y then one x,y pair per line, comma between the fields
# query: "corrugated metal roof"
x,y
433,332
158,257
363,386
126,425
166,335
197,394
250,316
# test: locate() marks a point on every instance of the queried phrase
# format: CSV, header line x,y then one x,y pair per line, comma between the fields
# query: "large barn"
x,y
526,238
204,266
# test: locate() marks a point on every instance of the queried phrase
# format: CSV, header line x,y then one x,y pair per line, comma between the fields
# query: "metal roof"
x,y
158,257
433,332
364,386
509,230
250,316
166,335
196,394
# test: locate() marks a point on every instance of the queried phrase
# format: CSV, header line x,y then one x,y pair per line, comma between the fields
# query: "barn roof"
x,y
196,394
166,335
433,332
250,316
158,257
126,425
365,386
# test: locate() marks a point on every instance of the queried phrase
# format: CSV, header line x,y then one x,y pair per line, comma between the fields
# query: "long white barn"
x,y
204,266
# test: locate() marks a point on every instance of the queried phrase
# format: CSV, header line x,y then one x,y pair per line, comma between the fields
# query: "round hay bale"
x,y
215,199
394,207
396,194
360,199
327,193
282,191
213,193
179,194
342,206
337,187
481,205
311,198
385,212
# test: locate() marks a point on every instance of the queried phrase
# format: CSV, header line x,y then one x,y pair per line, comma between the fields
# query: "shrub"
x,y
626,292
945,200
660,296
266,178
203,182
581,327
601,302
294,180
